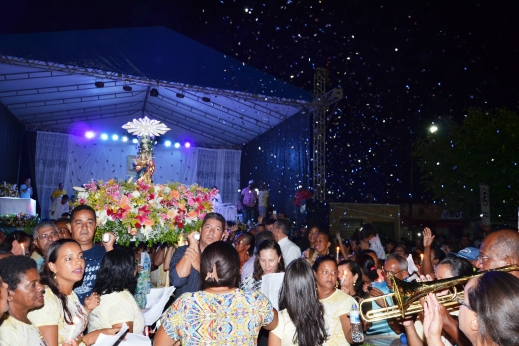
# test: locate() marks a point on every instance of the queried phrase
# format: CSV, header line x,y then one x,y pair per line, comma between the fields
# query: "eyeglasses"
x,y
394,274
48,236
485,258
461,302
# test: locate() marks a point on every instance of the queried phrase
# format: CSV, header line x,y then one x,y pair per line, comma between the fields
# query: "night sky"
x,y
402,64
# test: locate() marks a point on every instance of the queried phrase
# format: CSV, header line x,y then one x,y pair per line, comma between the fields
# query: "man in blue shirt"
x,y
82,227
185,264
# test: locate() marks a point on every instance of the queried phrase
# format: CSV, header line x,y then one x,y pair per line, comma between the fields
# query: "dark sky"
x,y
402,64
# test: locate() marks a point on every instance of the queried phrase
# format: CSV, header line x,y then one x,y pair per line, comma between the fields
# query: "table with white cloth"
x,y
10,205
228,211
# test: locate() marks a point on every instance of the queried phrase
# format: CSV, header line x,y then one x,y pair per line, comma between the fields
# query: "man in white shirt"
x,y
289,250
59,207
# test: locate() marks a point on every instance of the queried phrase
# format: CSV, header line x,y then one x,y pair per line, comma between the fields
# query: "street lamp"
x,y
433,128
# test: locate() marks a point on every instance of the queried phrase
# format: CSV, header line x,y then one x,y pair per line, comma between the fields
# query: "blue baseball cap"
x,y
469,253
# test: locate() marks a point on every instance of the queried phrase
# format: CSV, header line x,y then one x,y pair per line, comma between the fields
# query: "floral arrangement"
x,y
149,212
9,190
20,221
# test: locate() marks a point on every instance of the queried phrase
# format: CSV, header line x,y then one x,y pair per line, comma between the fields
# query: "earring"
x,y
354,282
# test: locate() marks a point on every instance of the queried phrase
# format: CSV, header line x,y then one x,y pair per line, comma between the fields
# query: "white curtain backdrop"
x,y
51,163
221,168
76,161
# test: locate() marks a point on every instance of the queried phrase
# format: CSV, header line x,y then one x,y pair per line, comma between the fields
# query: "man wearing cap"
x,y
470,254
248,199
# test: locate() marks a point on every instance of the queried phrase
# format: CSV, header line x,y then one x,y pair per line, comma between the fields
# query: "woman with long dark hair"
x,y
220,314
116,284
268,260
488,315
301,317
64,266
336,303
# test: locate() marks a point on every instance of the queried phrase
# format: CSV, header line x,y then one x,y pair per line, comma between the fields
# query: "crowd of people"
x,y
58,287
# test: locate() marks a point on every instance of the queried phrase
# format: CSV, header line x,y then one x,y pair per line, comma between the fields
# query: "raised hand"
x,y
428,238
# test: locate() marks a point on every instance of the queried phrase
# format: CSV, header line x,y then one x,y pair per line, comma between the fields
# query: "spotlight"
x,y
177,145
104,136
99,84
180,95
89,134
127,88
115,137
167,143
187,145
124,139
135,141
154,92
206,99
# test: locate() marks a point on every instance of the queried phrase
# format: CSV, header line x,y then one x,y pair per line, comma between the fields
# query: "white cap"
x,y
251,182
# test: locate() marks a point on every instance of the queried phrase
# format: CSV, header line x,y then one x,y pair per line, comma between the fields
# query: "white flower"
x,y
167,190
102,217
136,194
83,195
146,127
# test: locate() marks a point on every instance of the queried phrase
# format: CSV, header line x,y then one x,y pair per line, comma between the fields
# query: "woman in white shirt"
x,y
116,284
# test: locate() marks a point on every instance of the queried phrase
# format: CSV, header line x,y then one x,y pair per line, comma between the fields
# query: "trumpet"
x,y
406,295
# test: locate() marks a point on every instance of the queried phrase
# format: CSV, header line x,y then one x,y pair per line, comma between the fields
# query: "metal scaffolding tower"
x,y
320,107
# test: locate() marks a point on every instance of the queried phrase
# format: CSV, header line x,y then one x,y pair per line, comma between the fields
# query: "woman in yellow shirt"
x,y
115,284
25,293
63,315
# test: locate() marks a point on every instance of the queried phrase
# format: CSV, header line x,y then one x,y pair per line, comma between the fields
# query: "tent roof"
x,y
47,81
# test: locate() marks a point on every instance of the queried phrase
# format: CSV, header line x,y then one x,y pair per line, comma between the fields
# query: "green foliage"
x,y
483,149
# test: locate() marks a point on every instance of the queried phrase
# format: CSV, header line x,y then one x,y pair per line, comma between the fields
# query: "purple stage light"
x,y
89,134
104,136
177,145
187,145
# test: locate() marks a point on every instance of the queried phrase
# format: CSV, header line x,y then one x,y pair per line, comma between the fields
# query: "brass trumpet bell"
x,y
406,295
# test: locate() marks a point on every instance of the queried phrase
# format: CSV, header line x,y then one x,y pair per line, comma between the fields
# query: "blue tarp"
x,y
150,52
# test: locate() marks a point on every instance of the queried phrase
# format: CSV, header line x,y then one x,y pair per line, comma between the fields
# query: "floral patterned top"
x,y
203,318
143,281
250,284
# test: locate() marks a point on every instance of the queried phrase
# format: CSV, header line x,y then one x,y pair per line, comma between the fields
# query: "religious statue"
x,y
146,131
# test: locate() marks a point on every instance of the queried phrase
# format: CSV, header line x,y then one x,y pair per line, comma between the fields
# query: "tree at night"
x,y
456,158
